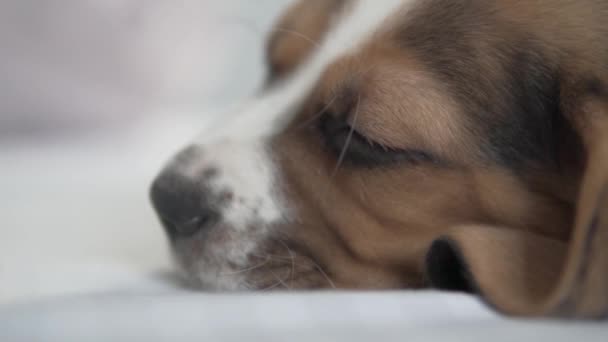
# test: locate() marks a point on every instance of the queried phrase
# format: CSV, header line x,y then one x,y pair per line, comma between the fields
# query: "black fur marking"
x,y
529,108
446,269
596,87
500,76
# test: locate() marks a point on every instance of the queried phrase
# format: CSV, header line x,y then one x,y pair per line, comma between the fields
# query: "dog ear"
x,y
298,32
520,273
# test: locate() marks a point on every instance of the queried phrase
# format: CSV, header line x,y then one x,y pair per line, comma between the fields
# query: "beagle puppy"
x,y
456,144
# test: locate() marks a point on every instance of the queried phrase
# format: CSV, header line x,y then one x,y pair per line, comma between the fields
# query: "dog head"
x,y
382,125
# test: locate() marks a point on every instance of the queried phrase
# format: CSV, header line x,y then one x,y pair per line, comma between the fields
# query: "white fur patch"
x,y
246,171
265,115
238,148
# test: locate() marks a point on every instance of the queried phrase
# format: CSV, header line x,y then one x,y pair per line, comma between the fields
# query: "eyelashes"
x,y
341,139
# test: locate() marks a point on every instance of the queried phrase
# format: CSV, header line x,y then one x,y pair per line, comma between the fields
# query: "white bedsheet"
x,y
81,259
277,317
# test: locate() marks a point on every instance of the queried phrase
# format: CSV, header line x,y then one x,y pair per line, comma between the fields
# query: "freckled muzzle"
x,y
218,204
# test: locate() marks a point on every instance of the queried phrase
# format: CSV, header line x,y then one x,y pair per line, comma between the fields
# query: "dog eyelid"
x,y
363,150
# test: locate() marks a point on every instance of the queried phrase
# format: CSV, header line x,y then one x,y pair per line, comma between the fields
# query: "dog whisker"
x,y
293,260
273,286
281,280
299,35
248,286
273,257
324,274
314,264
349,138
318,114
245,270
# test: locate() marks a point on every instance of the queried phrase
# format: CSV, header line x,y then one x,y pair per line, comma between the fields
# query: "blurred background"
x,y
94,96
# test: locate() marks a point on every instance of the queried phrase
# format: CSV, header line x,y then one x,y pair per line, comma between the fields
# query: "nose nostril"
x,y
196,224
209,218
189,228
182,206
182,229
192,226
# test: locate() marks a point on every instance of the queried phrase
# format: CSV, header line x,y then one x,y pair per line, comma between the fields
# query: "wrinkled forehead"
x,y
352,24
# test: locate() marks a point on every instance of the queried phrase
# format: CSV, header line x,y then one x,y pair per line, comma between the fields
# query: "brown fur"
x,y
510,97
296,35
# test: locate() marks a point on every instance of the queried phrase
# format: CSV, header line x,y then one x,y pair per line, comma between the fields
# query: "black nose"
x,y
182,205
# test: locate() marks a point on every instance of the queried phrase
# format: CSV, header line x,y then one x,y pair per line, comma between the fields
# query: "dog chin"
x,y
226,259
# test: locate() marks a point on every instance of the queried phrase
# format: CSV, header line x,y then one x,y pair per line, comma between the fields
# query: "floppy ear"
x,y
520,273
298,32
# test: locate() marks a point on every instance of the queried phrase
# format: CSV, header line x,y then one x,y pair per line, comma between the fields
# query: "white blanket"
x,y
277,317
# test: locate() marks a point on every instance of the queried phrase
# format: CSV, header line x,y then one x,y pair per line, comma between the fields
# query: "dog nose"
x,y
181,205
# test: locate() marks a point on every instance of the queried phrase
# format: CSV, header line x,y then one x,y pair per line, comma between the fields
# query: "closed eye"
x,y
359,150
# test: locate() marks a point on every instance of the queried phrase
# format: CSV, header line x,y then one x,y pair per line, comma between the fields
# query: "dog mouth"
x,y
271,265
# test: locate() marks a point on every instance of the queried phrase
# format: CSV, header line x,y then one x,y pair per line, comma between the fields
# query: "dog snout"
x,y
182,204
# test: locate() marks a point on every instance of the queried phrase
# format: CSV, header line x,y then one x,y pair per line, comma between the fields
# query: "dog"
x,y
455,144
